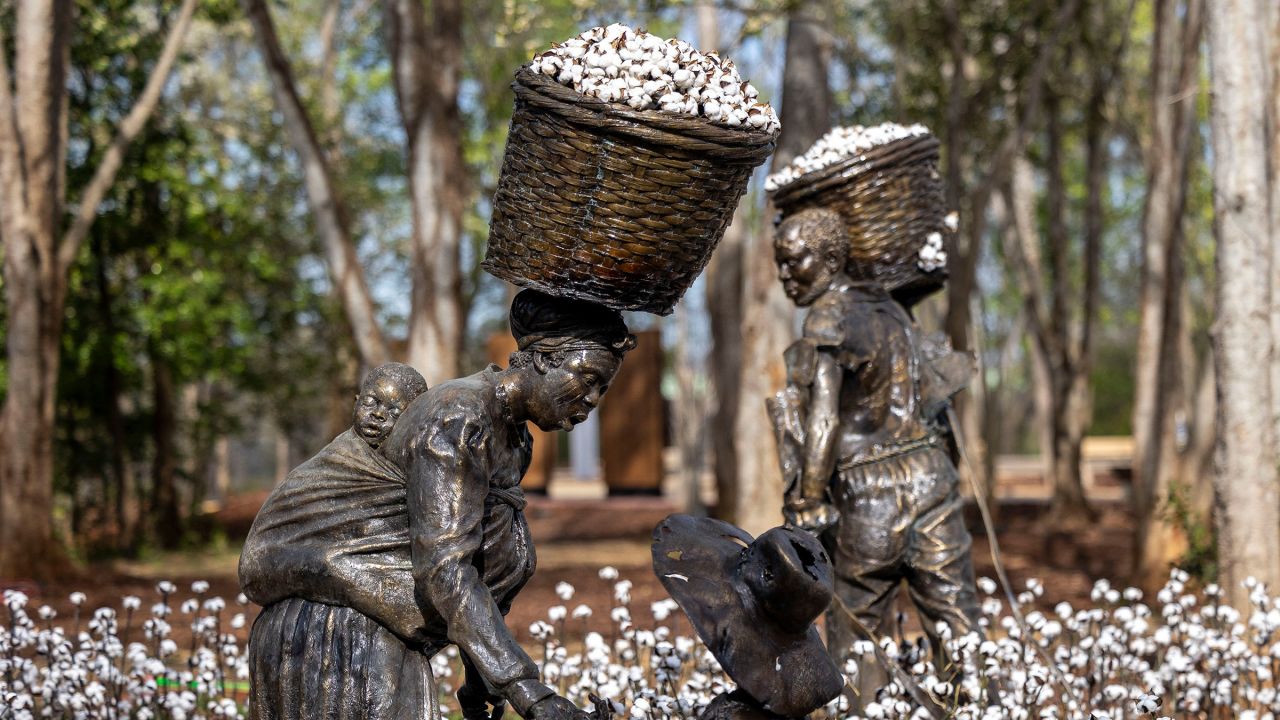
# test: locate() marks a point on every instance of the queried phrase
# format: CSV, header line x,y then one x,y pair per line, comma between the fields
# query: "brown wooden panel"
x,y
500,347
631,421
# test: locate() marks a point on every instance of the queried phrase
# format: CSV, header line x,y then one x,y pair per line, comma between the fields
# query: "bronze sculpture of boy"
x,y
861,447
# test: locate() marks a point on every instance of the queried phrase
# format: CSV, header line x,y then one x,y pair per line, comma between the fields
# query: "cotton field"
x,y
1184,655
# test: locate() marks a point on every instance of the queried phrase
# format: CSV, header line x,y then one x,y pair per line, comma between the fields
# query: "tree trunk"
x,y
1274,134
1163,369
724,312
166,521
1246,476
111,389
1023,251
32,155
1068,507
426,63
327,206
33,138
768,316
724,308
1075,403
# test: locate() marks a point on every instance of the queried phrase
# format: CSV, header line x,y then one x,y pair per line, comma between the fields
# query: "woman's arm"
x,y
448,483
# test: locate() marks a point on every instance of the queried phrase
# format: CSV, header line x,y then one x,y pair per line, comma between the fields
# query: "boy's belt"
x,y
880,453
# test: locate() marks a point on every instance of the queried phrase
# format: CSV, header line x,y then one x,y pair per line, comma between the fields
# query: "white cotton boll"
x,y
655,88
845,142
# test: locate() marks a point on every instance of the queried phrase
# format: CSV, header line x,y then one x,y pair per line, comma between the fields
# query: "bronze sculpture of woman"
x,y
360,598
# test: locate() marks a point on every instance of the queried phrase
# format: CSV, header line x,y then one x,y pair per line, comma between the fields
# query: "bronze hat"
x,y
753,602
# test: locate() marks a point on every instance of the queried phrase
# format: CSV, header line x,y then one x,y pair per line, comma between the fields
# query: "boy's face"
x,y
378,405
804,274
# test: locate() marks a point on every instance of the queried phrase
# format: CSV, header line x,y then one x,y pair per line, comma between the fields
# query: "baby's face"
x,y
378,406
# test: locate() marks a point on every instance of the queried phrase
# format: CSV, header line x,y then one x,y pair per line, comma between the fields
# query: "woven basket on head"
x,y
600,202
891,199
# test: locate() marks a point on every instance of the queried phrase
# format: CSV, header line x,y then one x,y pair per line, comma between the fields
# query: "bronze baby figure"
x,y
368,562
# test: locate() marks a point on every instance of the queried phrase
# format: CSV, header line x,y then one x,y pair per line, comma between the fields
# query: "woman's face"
x,y
565,394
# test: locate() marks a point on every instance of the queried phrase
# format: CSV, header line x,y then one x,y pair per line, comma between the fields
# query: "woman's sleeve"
x,y
448,483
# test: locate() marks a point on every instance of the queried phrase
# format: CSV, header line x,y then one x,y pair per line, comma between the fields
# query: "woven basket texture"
x,y
600,202
891,198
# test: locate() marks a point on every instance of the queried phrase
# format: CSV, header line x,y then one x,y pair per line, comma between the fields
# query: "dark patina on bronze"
x,y
864,444
753,602
370,560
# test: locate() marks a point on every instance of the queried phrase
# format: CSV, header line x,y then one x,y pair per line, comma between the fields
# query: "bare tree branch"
x,y
329,210
105,174
13,210
329,73
426,60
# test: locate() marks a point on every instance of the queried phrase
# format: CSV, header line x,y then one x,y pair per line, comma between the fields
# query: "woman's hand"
x,y
556,708
477,703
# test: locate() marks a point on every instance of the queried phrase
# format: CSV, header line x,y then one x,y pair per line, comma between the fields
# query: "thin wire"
x,y
922,697
1014,605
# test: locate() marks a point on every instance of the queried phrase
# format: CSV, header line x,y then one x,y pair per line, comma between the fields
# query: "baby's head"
x,y
386,391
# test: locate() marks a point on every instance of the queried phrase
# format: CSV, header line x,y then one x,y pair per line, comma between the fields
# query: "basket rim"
x,y
659,303
743,144
901,151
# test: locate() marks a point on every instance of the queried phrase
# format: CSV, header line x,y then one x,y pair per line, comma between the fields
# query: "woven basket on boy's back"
x,y
891,200
602,202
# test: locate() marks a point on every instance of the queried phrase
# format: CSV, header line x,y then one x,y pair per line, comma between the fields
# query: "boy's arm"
x,y
820,429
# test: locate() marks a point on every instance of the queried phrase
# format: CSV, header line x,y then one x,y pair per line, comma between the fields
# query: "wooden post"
x,y
500,347
632,427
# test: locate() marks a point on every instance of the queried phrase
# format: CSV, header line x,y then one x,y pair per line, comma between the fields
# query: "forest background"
x,y
216,214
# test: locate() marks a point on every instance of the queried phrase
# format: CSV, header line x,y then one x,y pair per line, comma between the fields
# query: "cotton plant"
x,y
1187,655
628,66
89,667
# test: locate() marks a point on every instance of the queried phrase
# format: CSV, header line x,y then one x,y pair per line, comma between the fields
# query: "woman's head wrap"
x,y
547,323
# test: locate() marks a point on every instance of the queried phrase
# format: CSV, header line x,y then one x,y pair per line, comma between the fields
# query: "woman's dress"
x,y
444,570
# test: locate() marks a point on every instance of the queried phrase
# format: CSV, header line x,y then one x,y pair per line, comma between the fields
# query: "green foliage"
x,y
204,257
194,262
1113,387
1201,558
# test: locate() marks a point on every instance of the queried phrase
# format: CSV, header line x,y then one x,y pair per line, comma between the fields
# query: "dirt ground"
x,y
576,538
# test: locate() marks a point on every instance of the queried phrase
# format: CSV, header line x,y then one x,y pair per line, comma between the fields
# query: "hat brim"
x,y
788,672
